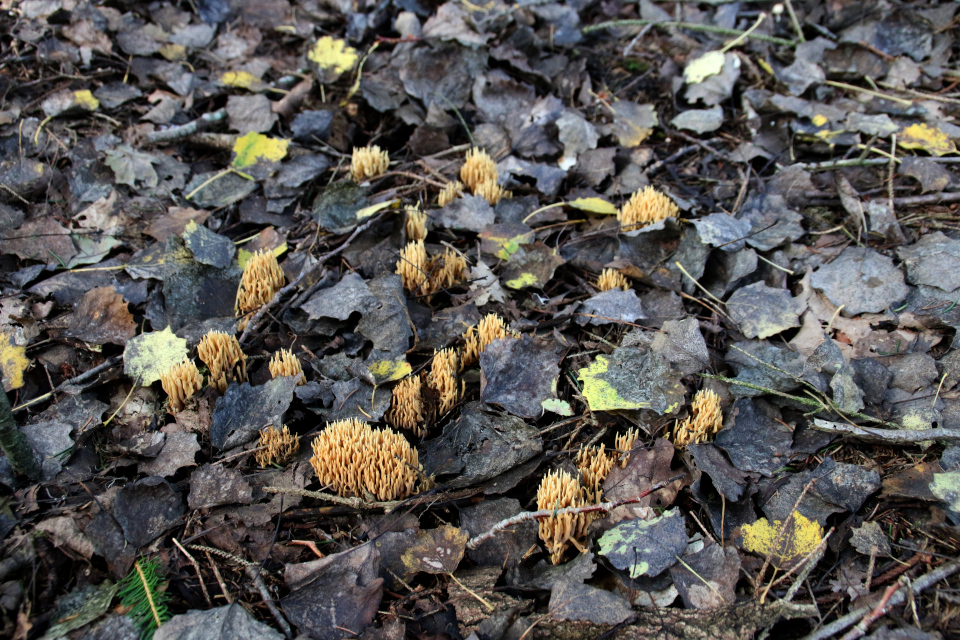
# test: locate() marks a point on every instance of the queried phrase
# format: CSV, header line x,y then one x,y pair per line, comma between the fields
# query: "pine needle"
x,y
144,592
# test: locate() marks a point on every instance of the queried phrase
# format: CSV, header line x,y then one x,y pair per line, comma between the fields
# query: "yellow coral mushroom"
x,y
612,279
407,406
558,490
704,421
355,460
224,358
262,278
478,338
276,446
449,193
646,207
478,168
180,382
284,363
368,162
416,224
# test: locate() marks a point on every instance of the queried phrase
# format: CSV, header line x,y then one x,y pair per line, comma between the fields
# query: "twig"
x,y
186,130
196,567
709,28
474,542
83,377
861,628
253,572
356,503
886,436
855,616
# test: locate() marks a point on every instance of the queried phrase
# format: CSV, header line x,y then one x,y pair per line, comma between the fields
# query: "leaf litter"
x,y
751,202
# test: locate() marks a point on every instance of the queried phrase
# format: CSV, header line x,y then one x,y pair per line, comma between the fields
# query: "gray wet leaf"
x,y
719,87
933,260
508,547
213,485
729,481
932,175
576,601
577,135
244,410
147,508
520,375
869,538
208,247
752,367
228,621
467,213
613,306
336,207
772,222
762,311
723,231
350,295
481,445
388,325
222,192
861,280
51,444
755,437
707,578
699,120
645,547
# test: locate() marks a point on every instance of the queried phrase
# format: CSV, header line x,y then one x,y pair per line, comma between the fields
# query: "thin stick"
x,y
861,628
253,572
473,543
709,28
186,130
855,616
83,377
196,567
886,436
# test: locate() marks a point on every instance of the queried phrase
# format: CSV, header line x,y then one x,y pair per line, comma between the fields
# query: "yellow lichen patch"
x,y
785,543
477,339
558,490
368,162
257,149
276,446
646,207
449,193
416,224
704,421
612,279
355,460
262,278
442,378
624,444
180,382
491,192
406,406
478,168
594,463
223,357
930,139
412,268
333,57
284,363
13,360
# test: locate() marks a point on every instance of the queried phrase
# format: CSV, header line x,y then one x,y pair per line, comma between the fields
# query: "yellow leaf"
x,y
699,69
13,361
388,370
243,255
85,100
255,147
594,205
366,212
173,52
523,280
930,139
784,543
600,394
242,79
148,355
333,57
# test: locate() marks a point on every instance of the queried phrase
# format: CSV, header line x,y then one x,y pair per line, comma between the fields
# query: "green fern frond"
x,y
144,592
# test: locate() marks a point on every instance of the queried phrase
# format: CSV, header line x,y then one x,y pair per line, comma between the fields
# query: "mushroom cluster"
x,y
262,278
479,174
355,460
424,276
704,421
276,446
223,357
477,338
407,409
284,363
646,207
558,490
180,382
368,162
416,224
612,279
